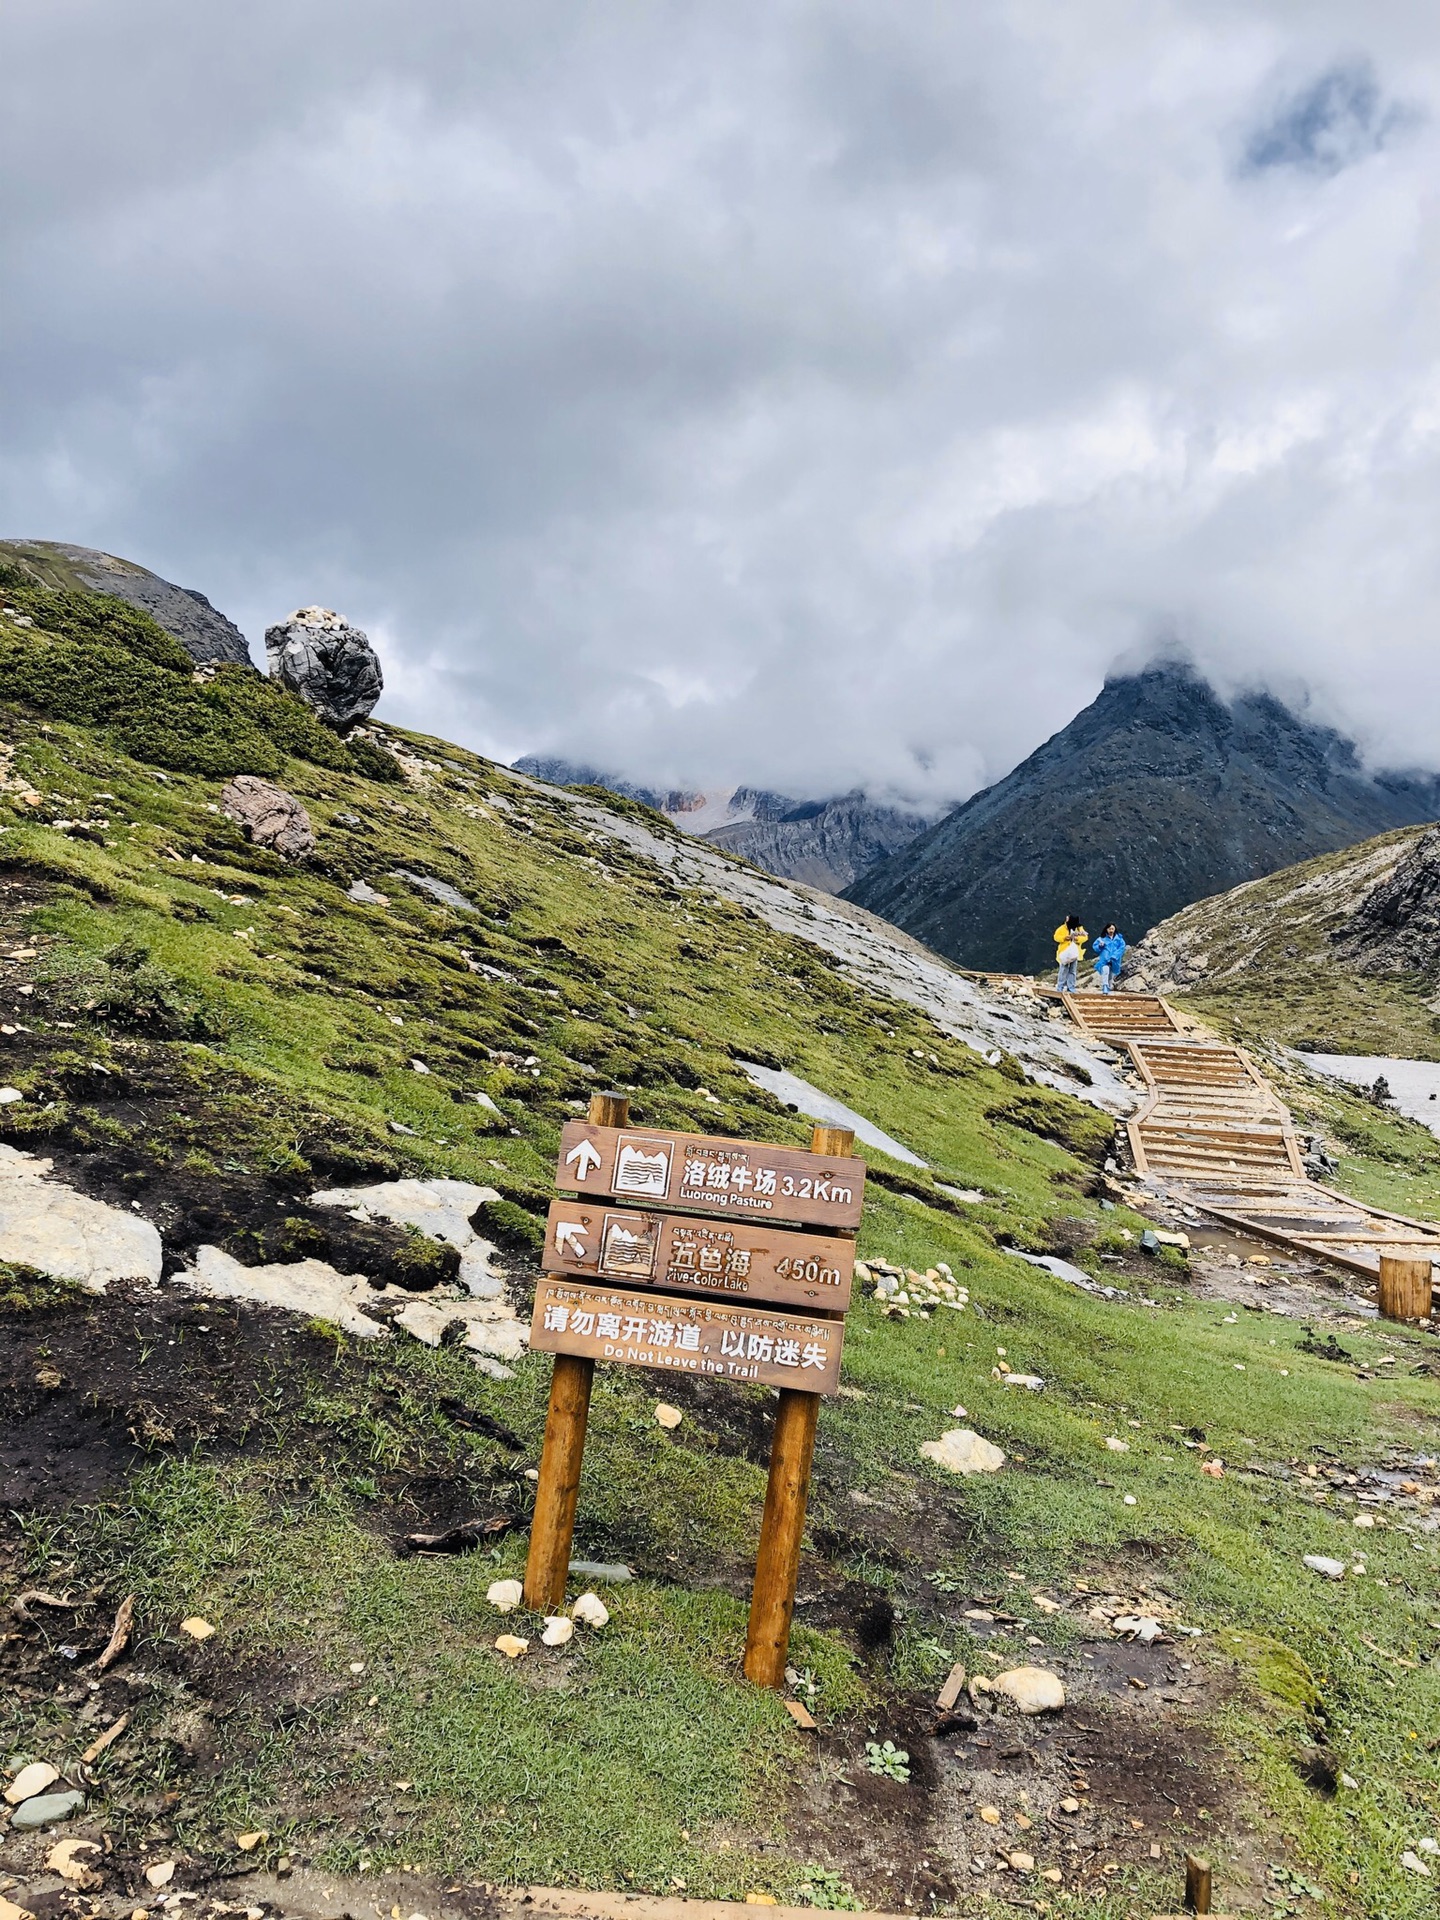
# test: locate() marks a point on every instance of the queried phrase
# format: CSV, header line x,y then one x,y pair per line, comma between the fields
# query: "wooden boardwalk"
x,y
1214,1132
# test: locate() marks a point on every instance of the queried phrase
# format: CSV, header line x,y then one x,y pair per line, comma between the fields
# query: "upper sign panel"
x,y
700,1174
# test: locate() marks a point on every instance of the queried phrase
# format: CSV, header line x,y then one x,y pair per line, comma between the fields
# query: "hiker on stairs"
x,y
1109,958
1070,938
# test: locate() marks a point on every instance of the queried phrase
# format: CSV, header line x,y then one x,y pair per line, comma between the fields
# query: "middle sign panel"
x,y
724,1259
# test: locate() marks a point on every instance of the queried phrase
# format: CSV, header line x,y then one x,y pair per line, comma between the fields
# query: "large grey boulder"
x,y
183,612
329,663
270,816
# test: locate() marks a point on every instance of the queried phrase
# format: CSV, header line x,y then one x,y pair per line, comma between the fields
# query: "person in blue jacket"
x,y
1109,952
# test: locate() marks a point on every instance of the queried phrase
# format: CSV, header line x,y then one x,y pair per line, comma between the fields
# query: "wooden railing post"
x,y
1405,1288
552,1526
787,1491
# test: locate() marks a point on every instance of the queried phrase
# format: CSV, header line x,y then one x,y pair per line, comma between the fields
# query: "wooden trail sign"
x,y
675,1318
652,1167
722,1259
709,1339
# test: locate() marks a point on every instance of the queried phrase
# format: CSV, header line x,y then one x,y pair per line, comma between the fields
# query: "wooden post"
x,y
1197,1885
792,1450
552,1525
1405,1287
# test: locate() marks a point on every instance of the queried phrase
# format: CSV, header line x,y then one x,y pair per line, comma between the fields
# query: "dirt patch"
x,y
1085,1794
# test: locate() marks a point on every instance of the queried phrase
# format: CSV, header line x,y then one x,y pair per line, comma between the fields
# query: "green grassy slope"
x,y
212,1034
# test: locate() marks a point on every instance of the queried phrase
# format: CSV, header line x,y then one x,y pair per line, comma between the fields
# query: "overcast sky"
x,y
806,395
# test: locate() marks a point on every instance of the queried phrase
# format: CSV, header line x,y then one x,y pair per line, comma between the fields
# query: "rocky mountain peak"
x,y
1159,793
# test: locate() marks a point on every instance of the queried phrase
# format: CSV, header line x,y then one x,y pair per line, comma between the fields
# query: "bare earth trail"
x,y
1214,1133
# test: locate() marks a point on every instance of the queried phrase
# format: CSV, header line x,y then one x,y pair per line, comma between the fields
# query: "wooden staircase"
x,y
1213,1130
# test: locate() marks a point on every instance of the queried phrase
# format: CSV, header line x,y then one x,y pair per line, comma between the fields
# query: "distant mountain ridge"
x,y
827,844
1158,794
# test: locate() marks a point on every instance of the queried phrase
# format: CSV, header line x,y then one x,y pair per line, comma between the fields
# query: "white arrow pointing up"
x,y
584,1158
571,1233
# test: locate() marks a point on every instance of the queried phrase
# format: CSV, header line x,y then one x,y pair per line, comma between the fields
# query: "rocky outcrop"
x,y
48,1226
328,663
203,631
1159,794
1397,924
270,816
1269,929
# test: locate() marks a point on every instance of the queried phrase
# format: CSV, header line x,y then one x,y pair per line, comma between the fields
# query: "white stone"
x,y
1319,1563
591,1609
1031,1380
1138,1626
441,1208
310,1287
1033,1689
46,1225
1116,1446
505,1595
559,1628
9,1094
961,1451
31,1780
1414,1864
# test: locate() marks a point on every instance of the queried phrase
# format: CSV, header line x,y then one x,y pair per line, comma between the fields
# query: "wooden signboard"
x,y
727,1293
722,1259
653,1168
710,1339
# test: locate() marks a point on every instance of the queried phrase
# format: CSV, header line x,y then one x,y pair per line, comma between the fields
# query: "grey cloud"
x,y
791,394
1337,119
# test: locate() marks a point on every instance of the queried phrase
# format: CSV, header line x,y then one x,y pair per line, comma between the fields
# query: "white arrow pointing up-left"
x,y
570,1233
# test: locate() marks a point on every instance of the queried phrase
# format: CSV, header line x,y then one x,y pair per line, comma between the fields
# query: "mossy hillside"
x,y
272,1001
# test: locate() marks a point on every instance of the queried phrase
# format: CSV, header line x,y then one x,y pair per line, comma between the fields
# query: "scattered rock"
x,y
270,816
196,1627
667,1416
9,1910
247,1842
62,1859
327,662
559,1628
365,895
512,1646
1031,1380
990,1815
1414,1864
1138,1626
961,1451
505,1595
1320,1563
1033,1689
1113,1445
161,1874
1022,1862
591,1609
46,1225
30,1781
47,1810
8,1095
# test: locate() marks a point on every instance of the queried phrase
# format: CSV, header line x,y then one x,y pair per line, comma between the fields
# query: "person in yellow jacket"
x,y
1070,938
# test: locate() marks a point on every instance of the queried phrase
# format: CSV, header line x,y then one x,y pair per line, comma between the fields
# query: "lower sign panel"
x,y
707,1338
